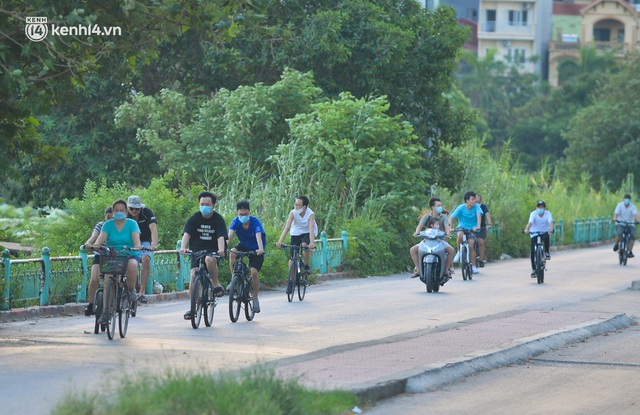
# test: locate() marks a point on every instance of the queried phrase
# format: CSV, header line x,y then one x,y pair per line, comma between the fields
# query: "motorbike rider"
x,y
433,223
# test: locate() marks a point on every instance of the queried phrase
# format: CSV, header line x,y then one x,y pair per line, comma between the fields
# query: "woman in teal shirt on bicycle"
x,y
120,233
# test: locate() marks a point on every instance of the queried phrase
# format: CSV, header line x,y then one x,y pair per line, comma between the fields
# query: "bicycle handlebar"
x,y
204,252
304,248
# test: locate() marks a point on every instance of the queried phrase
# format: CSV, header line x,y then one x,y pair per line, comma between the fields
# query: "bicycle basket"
x,y
114,262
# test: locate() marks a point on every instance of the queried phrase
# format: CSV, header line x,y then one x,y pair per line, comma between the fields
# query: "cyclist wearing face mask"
x,y
625,212
436,212
205,230
252,237
540,220
301,224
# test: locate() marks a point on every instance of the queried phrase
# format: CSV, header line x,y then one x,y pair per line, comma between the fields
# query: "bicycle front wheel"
x,y
540,265
112,303
464,261
124,312
209,304
291,281
196,301
302,285
248,302
235,298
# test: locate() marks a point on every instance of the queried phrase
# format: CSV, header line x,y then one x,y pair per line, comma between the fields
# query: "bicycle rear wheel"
x,y
124,312
112,303
196,301
291,281
540,265
97,303
624,250
235,297
209,304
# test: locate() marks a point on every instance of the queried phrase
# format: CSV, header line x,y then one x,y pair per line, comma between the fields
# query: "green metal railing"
x,y
593,230
46,280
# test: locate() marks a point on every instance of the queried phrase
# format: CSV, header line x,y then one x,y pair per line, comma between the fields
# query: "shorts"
x,y
146,244
255,261
299,239
482,233
195,262
96,259
620,230
471,235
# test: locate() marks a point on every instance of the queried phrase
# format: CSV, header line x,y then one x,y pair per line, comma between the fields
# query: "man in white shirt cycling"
x,y
540,220
625,212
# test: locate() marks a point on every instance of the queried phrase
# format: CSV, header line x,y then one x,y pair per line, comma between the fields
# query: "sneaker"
x,y
307,270
256,305
615,247
533,273
481,264
630,255
143,299
133,296
187,315
474,270
547,256
104,319
89,310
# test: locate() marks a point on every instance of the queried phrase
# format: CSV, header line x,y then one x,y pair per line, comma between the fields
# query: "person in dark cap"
x,y
148,236
540,220
625,212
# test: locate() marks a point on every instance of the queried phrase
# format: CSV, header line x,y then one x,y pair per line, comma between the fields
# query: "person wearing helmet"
x,y
540,220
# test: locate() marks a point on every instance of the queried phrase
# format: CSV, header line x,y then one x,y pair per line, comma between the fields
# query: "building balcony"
x,y
615,47
491,29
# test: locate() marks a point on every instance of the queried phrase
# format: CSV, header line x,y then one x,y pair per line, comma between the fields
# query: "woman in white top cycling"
x,y
301,224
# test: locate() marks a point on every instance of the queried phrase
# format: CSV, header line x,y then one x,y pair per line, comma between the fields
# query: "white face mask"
x,y
298,211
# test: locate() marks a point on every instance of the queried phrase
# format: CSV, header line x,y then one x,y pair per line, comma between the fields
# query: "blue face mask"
x,y
206,210
119,215
627,202
540,211
243,219
439,209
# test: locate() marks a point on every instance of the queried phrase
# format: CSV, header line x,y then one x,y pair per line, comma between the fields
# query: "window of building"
x,y
472,14
516,56
517,17
490,25
602,34
621,35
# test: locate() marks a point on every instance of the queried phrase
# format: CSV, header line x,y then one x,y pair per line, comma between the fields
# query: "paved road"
x,y
45,357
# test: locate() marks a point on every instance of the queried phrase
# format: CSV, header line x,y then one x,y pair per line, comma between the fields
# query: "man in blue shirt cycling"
x,y
469,217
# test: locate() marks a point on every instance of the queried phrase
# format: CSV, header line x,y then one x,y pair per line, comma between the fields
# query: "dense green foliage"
x,y
253,392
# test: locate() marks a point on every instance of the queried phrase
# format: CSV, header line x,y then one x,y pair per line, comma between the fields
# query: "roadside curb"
x,y
436,376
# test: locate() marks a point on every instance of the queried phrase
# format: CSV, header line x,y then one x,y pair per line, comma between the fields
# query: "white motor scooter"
x,y
433,257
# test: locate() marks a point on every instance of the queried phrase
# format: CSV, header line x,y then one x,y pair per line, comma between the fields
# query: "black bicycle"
x,y
539,259
203,301
624,249
465,255
241,288
297,278
113,266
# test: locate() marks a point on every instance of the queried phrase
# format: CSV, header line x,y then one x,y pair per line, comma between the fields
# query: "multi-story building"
x,y
519,30
607,25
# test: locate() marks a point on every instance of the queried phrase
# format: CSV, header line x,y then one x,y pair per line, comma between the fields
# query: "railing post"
x,y
324,254
181,267
46,268
6,258
561,231
345,242
152,267
86,274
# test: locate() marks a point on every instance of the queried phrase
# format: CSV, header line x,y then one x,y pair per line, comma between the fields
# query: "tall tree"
x,y
604,138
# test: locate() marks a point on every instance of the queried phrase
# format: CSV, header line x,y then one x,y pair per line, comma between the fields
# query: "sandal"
x,y
416,275
218,291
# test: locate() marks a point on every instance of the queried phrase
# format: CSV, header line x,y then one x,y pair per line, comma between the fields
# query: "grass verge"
x,y
257,391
